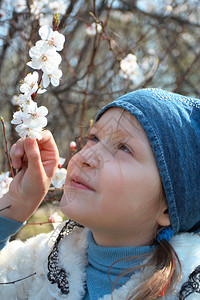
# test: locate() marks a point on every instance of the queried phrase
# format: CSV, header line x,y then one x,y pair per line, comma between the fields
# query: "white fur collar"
x,y
19,259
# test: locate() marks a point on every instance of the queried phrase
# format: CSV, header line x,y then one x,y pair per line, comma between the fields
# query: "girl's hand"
x,y
37,161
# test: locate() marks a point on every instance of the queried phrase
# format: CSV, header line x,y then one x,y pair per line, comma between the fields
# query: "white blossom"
x,y
54,78
59,177
34,133
129,67
22,114
44,58
93,29
31,121
30,84
18,117
24,101
4,176
52,38
61,161
36,116
14,100
5,181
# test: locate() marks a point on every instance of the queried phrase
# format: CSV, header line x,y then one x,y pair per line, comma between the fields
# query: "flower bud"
x,y
91,122
73,146
55,218
56,22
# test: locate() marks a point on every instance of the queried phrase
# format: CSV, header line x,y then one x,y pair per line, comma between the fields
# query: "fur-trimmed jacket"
x,y
52,267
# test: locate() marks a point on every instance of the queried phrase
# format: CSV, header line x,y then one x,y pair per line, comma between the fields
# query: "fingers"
x,y
49,153
42,155
17,152
38,155
47,142
35,166
24,151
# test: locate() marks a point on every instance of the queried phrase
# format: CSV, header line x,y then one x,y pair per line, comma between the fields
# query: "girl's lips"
x,y
78,183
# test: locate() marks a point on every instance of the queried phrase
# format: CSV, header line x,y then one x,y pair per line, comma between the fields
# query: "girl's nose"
x,y
91,157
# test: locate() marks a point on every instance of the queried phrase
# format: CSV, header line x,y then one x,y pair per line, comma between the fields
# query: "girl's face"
x,y
113,184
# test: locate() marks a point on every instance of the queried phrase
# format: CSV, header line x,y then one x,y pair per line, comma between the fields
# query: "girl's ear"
x,y
163,217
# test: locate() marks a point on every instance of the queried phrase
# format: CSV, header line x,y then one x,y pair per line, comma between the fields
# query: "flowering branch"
x,y
31,119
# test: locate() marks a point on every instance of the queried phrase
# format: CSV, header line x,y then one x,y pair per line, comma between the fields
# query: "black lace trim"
x,y
192,285
56,274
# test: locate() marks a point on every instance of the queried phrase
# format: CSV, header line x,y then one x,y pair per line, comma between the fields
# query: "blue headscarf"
x,y
172,124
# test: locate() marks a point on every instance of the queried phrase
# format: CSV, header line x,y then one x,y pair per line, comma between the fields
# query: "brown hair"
x,y
163,264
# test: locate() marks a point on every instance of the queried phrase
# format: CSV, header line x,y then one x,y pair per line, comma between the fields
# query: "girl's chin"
x,y
68,196
69,206
64,204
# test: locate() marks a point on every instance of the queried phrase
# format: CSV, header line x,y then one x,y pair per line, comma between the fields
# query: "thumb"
x,y
35,166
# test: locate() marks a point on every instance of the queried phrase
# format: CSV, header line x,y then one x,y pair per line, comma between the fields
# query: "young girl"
x,y
134,187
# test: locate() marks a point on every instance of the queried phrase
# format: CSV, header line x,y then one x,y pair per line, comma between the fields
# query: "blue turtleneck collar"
x,y
100,259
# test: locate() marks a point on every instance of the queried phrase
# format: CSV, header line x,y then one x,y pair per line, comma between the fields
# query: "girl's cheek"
x,y
75,160
71,164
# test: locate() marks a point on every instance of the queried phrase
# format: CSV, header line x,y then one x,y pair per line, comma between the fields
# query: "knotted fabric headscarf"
x,y
172,124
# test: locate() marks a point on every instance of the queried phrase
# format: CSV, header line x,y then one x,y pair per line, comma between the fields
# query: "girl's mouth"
x,y
79,183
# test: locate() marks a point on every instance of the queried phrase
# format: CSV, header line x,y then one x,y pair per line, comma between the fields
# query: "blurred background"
x,y
111,48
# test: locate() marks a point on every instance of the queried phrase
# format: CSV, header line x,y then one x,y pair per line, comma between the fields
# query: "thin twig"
x,y
108,13
9,206
42,223
6,144
182,79
13,282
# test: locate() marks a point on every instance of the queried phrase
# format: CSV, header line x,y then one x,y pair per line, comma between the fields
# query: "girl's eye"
x,y
125,148
93,137
90,137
